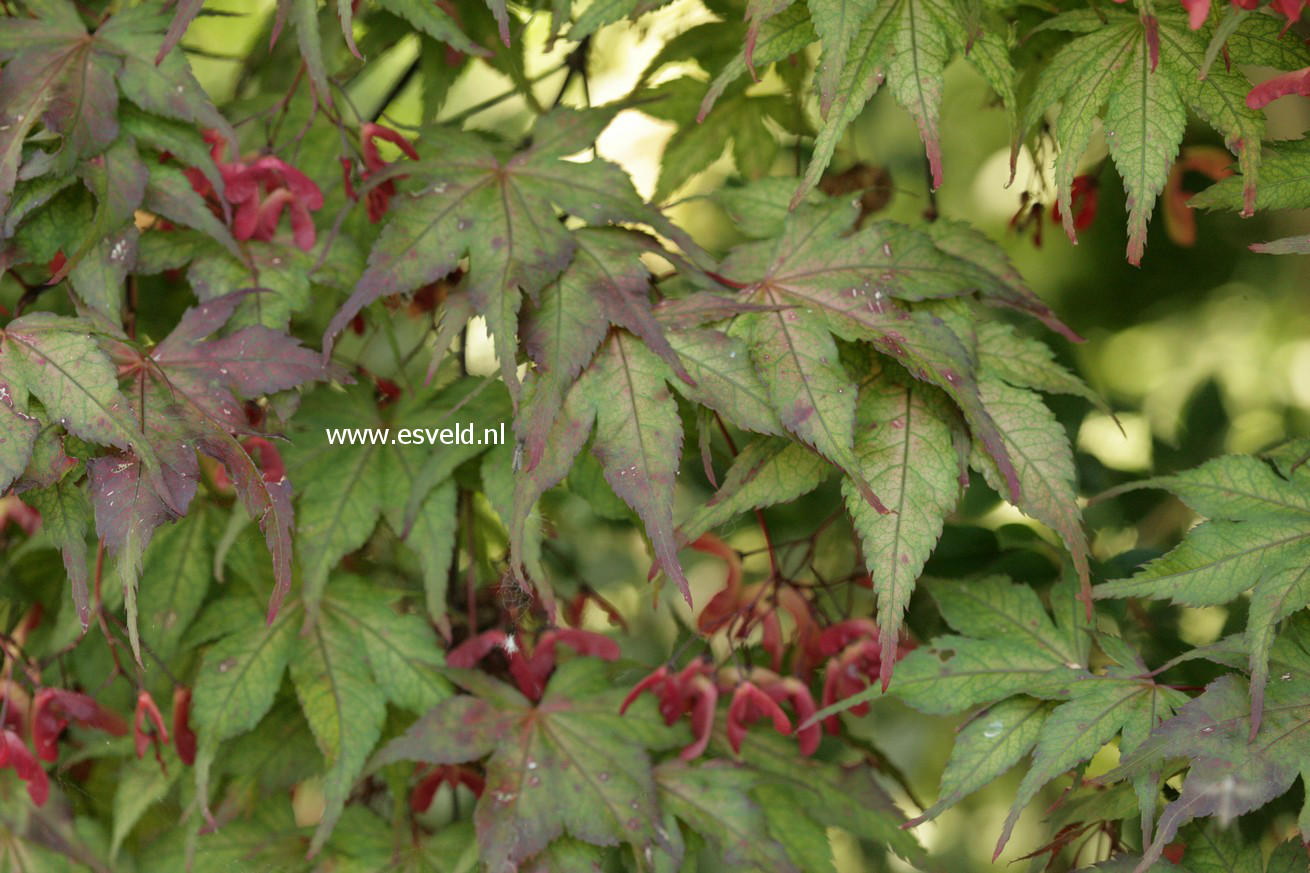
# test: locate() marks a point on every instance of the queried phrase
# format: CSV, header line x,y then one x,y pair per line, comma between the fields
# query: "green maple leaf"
x,y
66,520
767,472
366,844
567,765
268,832
1284,181
567,436
798,793
175,579
143,784
988,745
566,856
639,439
715,799
851,279
238,679
357,656
345,490
1256,536
341,489
55,360
1075,731
906,451
724,378
303,15
432,537
775,37
1009,645
904,43
907,44
1235,769
169,193
738,119
1145,73
1043,461
807,386
1214,849
498,207
1024,362
18,433
117,177
59,74
606,284
342,702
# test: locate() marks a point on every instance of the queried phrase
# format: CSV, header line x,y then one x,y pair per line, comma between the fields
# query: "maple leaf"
x,y
237,681
128,510
1146,73
59,74
1075,731
906,451
1234,769
343,704
117,177
436,22
344,490
1219,848
715,799
18,433
1043,461
907,44
800,795
567,764
66,519
175,578
1024,362
1284,181
852,279
169,193
1012,647
190,384
355,658
568,434
989,744
498,207
53,359
248,362
605,284
724,379
303,15
1284,184
1256,536
638,440
767,472
738,118
780,32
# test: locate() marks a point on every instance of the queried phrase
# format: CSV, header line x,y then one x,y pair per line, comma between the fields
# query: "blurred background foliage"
x,y
1201,350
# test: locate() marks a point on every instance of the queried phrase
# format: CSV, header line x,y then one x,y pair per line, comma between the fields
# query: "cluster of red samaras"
x,y
259,190
851,649
854,659
53,709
